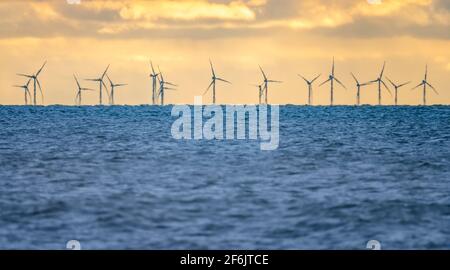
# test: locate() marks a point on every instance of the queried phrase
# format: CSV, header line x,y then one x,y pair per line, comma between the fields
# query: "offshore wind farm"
x,y
157,94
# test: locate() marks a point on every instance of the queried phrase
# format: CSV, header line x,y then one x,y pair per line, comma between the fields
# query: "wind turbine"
x,y
80,89
380,81
266,82
111,96
425,84
261,92
162,86
101,83
154,76
331,79
35,81
396,87
358,91
26,90
213,82
309,83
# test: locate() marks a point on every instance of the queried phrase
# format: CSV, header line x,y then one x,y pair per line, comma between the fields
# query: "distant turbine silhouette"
x,y
358,91
113,86
101,83
213,82
380,81
331,79
25,90
309,83
80,89
261,92
35,79
396,87
425,84
154,77
266,83
162,86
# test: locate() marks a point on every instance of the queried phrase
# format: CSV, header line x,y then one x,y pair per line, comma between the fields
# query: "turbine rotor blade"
x,y
324,82
209,87
387,88
40,90
340,83
25,75
432,88
39,71
304,78
264,74
403,84
110,82
169,83
382,70
317,77
104,73
212,69
393,84
417,86
220,79
77,81
160,74
332,68
356,80
106,89
153,70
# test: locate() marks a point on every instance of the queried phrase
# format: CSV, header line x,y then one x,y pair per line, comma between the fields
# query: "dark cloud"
x,y
375,27
442,4
81,13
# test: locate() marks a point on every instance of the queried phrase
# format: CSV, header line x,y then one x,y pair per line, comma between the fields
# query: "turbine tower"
x,y
309,83
261,92
80,89
35,79
154,77
331,79
358,91
25,90
113,86
425,83
101,83
380,81
162,86
213,82
266,82
396,87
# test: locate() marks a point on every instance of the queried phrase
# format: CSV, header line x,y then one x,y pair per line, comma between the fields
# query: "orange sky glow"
x,y
285,37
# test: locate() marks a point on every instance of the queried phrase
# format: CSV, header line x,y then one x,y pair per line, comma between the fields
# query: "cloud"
x,y
130,19
186,10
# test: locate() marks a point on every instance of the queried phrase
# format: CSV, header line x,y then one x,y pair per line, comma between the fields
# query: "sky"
x,y
285,37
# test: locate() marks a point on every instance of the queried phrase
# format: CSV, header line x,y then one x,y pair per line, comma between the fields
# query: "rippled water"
x,y
113,177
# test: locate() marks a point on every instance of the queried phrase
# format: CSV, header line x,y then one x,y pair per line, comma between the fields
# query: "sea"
x,y
113,177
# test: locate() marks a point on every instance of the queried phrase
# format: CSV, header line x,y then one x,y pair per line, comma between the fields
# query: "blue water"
x,y
114,178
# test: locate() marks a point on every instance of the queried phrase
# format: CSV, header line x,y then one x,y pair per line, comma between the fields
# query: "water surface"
x,y
114,178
